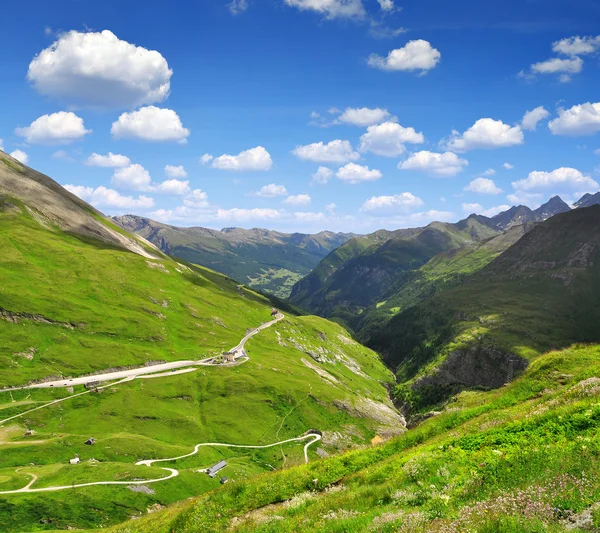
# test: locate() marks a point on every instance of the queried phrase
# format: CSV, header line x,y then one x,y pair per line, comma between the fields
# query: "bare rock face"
x,y
480,365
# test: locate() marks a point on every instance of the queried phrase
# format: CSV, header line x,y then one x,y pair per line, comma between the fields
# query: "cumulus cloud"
x,y
109,160
97,69
271,190
322,176
583,119
556,65
237,6
337,151
175,172
391,204
388,139
508,166
486,133
483,186
493,211
532,200
150,124
532,118
353,173
134,177
21,156
58,128
443,165
254,159
471,208
244,215
1,145
564,177
386,5
489,172
299,199
415,55
363,116
103,197
331,9
173,187
577,46
197,199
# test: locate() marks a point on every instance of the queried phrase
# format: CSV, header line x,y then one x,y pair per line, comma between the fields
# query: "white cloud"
x,y
103,197
237,6
1,145
331,9
330,208
388,139
58,128
508,166
489,172
322,176
557,65
564,177
337,151
150,124
533,117
493,211
471,208
386,5
62,155
21,156
443,165
300,199
134,177
271,190
391,204
109,160
363,116
353,173
583,119
97,69
575,46
486,133
254,159
245,215
173,187
483,186
197,199
415,55
532,200
175,172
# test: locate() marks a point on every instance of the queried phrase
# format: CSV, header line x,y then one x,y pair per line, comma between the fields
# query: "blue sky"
x,y
424,104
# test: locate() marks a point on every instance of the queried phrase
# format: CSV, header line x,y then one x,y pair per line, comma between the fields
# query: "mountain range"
x,y
268,260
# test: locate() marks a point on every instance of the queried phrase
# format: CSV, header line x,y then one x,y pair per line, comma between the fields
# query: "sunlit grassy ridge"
x,y
523,458
72,305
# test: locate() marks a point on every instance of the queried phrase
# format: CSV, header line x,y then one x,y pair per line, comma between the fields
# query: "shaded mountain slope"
x,y
266,260
542,293
359,273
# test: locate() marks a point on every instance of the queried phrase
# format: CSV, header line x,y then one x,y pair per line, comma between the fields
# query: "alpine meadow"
x,y
293,266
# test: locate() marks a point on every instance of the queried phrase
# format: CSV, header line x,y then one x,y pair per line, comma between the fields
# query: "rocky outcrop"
x,y
478,366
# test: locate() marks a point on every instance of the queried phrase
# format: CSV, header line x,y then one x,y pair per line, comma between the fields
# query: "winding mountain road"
x,y
314,437
154,371
161,370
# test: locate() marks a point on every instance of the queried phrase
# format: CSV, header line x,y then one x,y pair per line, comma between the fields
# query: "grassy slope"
x,y
519,459
126,313
444,271
539,295
358,274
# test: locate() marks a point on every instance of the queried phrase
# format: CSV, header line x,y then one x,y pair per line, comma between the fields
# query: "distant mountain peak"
x,y
588,200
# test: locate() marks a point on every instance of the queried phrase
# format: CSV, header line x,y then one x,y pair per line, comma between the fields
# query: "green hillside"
x,y
359,273
72,304
267,260
520,459
541,294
